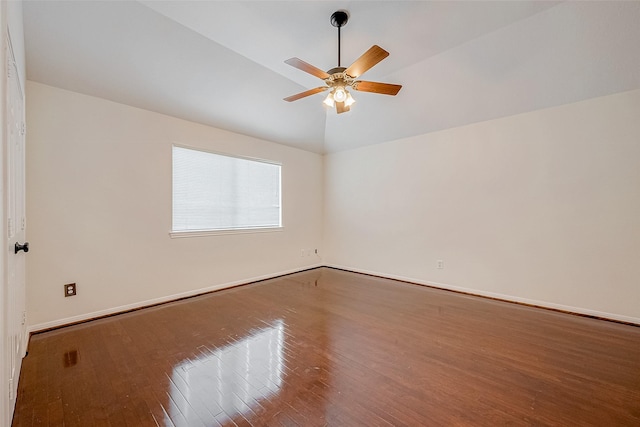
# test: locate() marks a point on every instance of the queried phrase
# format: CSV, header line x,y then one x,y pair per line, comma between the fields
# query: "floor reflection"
x,y
224,382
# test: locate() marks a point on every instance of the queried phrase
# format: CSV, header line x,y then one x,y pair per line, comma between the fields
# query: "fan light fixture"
x,y
338,79
339,94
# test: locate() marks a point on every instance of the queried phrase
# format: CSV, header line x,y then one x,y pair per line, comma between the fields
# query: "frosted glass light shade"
x,y
340,94
349,101
328,101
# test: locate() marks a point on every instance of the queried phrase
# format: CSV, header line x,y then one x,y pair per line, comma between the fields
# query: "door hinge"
x,y
23,129
10,388
10,227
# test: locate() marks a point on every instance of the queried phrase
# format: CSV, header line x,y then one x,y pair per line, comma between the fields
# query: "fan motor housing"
x,y
338,77
336,70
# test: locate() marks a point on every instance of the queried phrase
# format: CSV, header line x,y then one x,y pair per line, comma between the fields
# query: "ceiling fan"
x,y
338,79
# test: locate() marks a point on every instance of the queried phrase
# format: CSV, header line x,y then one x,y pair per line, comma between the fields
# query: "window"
x,y
213,192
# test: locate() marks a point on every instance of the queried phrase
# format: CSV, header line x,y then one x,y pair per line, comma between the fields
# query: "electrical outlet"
x,y
69,290
440,264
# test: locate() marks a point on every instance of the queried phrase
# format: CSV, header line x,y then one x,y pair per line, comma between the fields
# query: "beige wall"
x,y
99,209
542,207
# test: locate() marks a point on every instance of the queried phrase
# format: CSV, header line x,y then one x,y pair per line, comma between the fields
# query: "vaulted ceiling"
x,y
221,63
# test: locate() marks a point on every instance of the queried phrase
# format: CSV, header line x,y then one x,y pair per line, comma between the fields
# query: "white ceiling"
x,y
221,63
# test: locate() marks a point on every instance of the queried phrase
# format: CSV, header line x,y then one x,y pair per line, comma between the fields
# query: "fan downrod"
x,y
339,19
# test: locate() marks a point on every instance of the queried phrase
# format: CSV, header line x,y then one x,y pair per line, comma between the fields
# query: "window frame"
x,y
222,231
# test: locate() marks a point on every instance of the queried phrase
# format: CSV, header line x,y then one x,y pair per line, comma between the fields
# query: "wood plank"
x,y
329,347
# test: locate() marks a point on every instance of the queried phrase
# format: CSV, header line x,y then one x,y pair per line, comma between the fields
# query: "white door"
x,y
14,186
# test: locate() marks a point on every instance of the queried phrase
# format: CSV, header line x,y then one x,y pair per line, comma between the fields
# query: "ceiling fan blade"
x,y
305,93
342,108
375,87
307,68
368,59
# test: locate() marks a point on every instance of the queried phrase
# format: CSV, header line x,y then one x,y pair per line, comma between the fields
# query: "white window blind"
x,y
216,192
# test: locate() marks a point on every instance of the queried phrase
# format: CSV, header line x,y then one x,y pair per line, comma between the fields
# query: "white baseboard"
x,y
503,297
147,303
510,298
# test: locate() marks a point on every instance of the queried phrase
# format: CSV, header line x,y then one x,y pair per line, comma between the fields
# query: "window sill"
x,y
204,233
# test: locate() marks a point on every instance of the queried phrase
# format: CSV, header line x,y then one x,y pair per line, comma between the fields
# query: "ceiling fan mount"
x,y
339,78
339,18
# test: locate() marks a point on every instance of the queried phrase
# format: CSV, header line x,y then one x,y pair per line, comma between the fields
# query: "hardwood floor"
x,y
328,347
